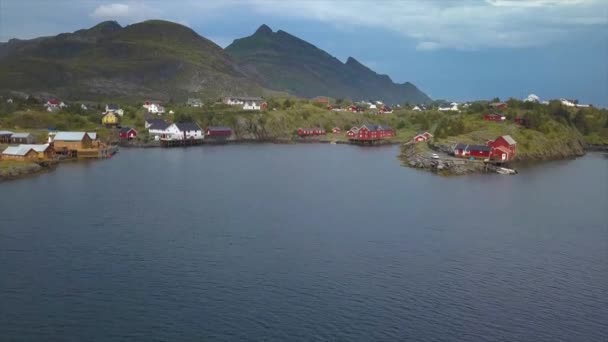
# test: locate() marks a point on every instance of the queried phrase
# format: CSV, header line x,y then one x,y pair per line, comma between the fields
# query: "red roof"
x,y
54,101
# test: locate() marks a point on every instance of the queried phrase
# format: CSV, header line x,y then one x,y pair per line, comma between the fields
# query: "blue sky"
x,y
451,49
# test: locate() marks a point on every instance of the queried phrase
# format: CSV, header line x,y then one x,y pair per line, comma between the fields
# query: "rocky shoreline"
x,y
24,170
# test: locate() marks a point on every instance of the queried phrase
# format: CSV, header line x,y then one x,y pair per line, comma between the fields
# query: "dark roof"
x,y
126,129
155,121
188,126
113,106
219,128
160,125
461,147
377,127
484,148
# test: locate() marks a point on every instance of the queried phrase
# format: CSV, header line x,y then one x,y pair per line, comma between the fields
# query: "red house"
x,y
472,151
423,137
504,148
127,133
494,117
499,105
352,132
370,132
218,131
308,132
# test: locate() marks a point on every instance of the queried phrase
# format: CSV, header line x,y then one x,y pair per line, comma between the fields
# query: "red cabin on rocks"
x,y
218,131
504,148
309,132
472,151
423,137
127,133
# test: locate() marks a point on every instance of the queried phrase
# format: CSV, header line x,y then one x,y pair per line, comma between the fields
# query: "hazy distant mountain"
x,y
149,59
280,61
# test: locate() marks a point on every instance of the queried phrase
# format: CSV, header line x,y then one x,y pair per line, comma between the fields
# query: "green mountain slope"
x,y
280,61
149,59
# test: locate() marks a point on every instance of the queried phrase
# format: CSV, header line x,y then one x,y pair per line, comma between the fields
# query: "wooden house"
x,y
370,133
22,138
5,137
504,148
218,131
423,137
19,153
472,151
308,132
43,151
110,119
127,133
494,117
72,141
351,133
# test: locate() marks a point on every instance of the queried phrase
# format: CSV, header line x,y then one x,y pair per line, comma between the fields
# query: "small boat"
x,y
506,171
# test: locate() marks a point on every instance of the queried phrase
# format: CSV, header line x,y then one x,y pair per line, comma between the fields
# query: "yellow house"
x,y
110,119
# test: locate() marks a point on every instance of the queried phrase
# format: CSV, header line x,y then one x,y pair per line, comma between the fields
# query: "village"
x,y
165,128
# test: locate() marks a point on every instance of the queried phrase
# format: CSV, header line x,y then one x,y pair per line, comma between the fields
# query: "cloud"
x,y
128,11
455,24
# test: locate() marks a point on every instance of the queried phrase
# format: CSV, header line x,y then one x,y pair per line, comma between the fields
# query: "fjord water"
x,y
300,243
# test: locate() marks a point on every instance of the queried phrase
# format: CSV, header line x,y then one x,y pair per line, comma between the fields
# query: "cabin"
x,y
72,141
472,151
127,133
504,148
194,102
336,130
247,102
19,153
154,107
54,105
499,105
494,117
5,137
22,138
308,132
43,151
110,119
218,131
114,108
422,137
370,132
183,131
351,133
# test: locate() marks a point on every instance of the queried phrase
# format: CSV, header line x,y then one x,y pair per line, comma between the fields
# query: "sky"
x,y
457,50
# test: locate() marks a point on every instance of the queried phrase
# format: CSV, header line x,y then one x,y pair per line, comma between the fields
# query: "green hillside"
x,y
154,58
280,61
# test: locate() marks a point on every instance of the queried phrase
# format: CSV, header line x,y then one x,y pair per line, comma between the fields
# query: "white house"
x,y
114,108
157,127
567,103
372,106
154,107
183,131
248,103
532,98
9,101
453,107
54,105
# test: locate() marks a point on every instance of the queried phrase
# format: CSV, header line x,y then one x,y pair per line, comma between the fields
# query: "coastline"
x,y
21,170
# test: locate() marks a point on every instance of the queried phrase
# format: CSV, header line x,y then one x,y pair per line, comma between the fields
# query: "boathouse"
x,y
472,151
127,133
19,153
423,137
72,141
218,131
371,133
43,151
504,148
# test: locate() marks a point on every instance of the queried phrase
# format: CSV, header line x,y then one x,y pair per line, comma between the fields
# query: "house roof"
x,y
158,124
483,148
21,135
6,133
113,106
54,101
92,135
503,149
219,128
20,150
70,136
126,129
188,126
509,139
461,147
36,147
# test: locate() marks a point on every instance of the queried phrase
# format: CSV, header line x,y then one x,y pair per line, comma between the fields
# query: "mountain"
x,y
282,62
154,58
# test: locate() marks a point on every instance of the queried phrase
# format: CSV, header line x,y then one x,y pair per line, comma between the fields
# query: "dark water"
x,y
309,242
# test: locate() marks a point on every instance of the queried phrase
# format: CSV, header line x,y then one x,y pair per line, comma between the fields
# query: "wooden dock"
x,y
180,142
